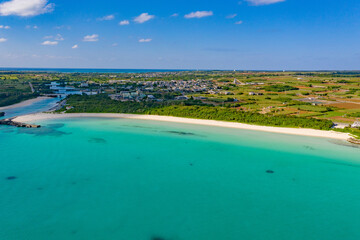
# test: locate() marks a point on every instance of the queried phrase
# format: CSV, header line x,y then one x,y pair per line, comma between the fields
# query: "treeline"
x,y
7,99
103,104
234,115
279,88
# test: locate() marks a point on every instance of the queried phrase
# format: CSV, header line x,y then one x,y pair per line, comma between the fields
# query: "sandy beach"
x,y
24,103
32,118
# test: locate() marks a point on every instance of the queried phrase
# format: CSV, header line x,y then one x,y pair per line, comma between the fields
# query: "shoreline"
x,y
24,103
31,118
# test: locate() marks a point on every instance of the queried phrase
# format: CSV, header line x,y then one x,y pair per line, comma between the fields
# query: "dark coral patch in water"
x,y
309,148
97,140
342,164
157,238
43,131
345,144
56,125
270,171
181,133
11,178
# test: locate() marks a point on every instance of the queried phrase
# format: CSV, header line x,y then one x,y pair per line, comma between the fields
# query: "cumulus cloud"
x,y
91,38
199,14
50,43
263,2
3,40
25,8
144,17
4,27
145,40
75,46
107,18
124,22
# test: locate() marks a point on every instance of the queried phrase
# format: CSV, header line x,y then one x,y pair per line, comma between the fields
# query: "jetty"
x,y
10,122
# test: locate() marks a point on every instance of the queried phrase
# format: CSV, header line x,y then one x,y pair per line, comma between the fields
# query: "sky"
x,y
181,34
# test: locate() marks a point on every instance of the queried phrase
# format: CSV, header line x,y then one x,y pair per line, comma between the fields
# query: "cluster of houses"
x,y
145,90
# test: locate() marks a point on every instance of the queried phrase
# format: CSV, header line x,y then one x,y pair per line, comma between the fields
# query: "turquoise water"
x,y
133,179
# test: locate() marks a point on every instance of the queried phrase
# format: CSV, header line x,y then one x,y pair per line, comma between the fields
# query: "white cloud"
x,y
263,2
3,40
175,15
145,40
30,27
239,22
124,22
50,43
63,27
75,46
107,18
199,14
144,17
25,8
114,44
91,38
4,27
231,16
58,37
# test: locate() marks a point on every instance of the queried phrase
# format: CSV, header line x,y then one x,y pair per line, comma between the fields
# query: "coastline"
x,y
24,103
31,118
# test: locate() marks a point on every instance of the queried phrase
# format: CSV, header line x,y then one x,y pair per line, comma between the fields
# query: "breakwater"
x,y
10,122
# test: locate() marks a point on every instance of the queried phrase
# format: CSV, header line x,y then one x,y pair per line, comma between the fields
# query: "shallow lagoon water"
x,y
132,179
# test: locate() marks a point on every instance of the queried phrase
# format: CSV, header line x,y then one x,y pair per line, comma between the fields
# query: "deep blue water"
x,y
90,70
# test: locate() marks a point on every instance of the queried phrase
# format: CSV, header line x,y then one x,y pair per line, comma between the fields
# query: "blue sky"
x,y
181,34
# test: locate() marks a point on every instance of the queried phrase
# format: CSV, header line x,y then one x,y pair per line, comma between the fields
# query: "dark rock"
x,y
270,171
2,114
157,238
11,178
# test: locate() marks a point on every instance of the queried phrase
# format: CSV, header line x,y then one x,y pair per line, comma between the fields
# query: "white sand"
x,y
32,118
24,103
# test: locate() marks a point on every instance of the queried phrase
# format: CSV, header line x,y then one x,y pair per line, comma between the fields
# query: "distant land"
x,y
140,70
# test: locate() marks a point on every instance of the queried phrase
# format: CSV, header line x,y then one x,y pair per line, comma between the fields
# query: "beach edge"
x,y
31,118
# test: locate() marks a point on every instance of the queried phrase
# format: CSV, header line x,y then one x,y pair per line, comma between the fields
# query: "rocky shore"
x,y
354,141
10,122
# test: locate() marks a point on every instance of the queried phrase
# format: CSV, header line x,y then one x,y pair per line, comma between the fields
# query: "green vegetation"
x,y
356,114
102,104
9,99
280,88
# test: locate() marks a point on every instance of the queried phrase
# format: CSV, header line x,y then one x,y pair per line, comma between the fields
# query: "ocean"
x,y
96,178
89,70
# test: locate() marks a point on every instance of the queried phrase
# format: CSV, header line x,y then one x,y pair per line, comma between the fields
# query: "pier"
x,y
10,122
